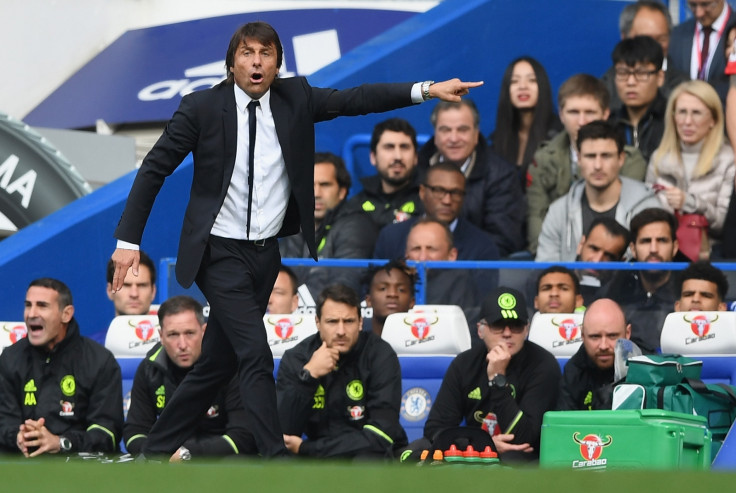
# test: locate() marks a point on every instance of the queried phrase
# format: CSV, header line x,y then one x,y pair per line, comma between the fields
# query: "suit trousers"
x,y
236,277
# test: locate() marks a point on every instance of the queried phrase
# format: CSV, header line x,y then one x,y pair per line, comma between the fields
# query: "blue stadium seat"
x,y
426,340
707,336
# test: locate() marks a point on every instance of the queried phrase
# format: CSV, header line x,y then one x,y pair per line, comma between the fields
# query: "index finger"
x,y
123,259
471,85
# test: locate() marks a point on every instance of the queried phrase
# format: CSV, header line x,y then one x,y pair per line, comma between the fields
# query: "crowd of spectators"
x,y
611,176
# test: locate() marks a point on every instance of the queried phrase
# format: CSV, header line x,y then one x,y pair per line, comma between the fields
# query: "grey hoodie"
x,y
563,225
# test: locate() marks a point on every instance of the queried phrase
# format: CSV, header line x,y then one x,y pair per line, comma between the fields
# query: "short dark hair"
x,y
584,85
180,304
292,277
653,215
339,293
444,166
447,105
393,125
705,271
639,49
342,175
65,295
259,30
562,270
613,227
601,129
145,261
628,14
395,264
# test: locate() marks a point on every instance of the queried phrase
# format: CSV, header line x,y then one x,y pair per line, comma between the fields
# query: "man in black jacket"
x,y
61,392
392,195
639,76
220,430
494,200
503,386
586,381
340,387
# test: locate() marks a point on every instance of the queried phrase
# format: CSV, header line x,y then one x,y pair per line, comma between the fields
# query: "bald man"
x,y
587,378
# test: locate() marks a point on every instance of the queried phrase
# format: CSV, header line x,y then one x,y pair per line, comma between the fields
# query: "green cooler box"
x,y
624,439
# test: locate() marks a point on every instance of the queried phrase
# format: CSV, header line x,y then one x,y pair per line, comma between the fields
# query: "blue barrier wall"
x,y
471,39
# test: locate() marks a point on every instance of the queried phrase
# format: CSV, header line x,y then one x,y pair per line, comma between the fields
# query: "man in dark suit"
x,y
711,17
231,252
442,196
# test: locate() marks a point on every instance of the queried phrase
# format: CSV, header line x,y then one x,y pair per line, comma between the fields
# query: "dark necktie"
x,y
251,157
702,72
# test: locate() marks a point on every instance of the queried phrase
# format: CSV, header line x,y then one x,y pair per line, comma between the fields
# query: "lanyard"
x,y
702,62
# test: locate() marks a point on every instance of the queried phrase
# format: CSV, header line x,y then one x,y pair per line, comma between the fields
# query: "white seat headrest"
x,y
428,330
132,335
558,333
11,333
699,333
285,331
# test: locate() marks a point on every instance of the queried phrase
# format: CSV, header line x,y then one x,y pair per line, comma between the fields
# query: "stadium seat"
x,y
285,331
707,336
426,341
129,338
558,333
428,330
12,332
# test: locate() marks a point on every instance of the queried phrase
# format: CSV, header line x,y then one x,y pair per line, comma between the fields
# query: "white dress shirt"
x,y
715,36
271,186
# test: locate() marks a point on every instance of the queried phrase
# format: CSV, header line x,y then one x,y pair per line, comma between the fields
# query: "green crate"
x,y
624,439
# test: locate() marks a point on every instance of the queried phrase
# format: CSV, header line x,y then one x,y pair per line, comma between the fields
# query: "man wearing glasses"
x,y
638,77
698,44
504,385
494,200
442,195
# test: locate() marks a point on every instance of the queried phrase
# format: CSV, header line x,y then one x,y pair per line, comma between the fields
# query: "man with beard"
x,y
392,195
601,193
390,290
605,241
647,296
339,390
588,375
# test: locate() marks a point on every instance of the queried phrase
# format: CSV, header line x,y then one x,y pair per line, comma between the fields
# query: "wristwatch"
x,y
499,381
305,376
65,444
184,453
425,89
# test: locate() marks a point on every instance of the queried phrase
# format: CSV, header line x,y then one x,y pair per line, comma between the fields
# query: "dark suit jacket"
x,y
472,243
206,125
681,46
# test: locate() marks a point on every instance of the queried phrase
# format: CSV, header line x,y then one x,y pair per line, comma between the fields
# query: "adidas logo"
x,y
161,390
474,394
30,386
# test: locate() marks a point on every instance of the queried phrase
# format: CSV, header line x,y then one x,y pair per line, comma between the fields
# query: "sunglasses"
x,y
514,328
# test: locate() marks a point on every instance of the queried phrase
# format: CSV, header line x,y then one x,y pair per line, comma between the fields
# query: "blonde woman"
x,y
693,168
